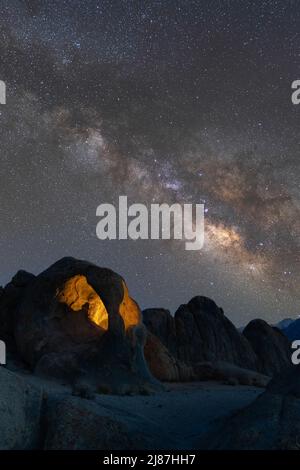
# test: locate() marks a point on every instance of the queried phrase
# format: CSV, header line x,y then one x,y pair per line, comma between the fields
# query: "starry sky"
x,y
162,101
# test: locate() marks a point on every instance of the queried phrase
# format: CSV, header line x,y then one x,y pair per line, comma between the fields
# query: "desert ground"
x,y
178,418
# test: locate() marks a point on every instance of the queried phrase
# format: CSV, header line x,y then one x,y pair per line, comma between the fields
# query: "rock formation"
x,y
20,409
65,417
163,365
37,415
77,322
271,422
229,374
199,332
271,346
9,298
161,323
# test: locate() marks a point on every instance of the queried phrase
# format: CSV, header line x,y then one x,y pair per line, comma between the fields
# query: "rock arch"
x,y
78,322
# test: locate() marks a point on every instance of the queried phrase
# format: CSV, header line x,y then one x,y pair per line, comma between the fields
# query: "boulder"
x,y
271,346
78,424
287,383
9,299
205,334
199,332
229,373
161,323
271,422
163,365
22,278
20,407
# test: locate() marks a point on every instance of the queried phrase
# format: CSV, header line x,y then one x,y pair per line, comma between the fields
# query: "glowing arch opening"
x,y
77,292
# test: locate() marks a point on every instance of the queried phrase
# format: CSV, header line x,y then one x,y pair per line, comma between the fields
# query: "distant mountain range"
x,y
290,327
284,323
292,330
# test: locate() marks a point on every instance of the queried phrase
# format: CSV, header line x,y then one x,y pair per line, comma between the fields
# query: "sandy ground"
x,y
178,418
174,419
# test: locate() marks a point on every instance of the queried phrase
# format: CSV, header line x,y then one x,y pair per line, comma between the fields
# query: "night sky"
x,y
162,101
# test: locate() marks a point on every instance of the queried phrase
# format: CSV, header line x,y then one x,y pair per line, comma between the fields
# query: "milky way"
x,y
162,101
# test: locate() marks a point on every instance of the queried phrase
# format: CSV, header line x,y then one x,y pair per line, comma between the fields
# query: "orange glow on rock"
x,y
129,310
77,292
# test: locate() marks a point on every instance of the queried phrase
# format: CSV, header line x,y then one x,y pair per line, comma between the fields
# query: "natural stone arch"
x,y
76,321
77,294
